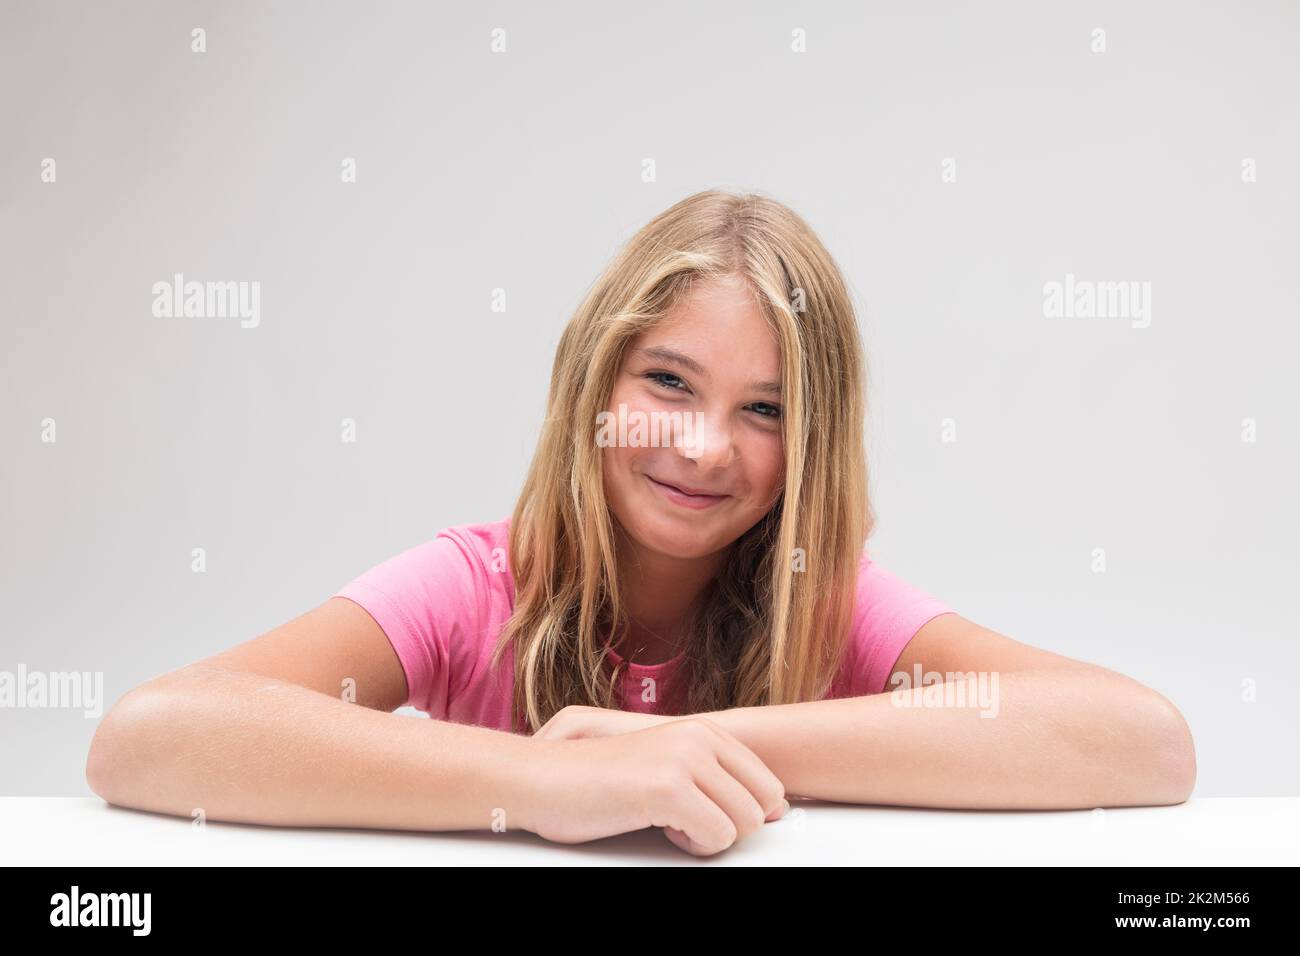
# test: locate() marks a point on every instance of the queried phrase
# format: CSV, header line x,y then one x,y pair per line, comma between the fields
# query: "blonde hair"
x,y
766,632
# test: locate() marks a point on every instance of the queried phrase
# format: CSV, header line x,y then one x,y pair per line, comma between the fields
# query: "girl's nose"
x,y
704,442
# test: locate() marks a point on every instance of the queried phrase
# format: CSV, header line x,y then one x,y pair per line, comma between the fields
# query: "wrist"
x,y
535,769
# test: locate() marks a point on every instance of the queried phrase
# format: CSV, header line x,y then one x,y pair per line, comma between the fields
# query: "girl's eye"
x,y
764,409
657,376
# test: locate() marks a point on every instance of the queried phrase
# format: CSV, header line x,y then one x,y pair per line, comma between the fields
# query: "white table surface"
x,y
77,831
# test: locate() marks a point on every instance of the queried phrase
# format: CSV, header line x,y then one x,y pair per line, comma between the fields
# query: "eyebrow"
x,y
673,357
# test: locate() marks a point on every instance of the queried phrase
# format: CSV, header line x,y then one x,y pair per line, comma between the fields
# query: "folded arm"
x,y
1018,728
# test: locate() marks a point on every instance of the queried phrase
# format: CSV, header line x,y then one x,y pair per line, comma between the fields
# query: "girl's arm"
x,y
261,734
1060,734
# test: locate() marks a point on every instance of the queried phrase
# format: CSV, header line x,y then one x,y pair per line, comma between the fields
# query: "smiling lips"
x,y
685,498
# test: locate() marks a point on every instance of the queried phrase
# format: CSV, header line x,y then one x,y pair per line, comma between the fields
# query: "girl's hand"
x,y
576,721
687,775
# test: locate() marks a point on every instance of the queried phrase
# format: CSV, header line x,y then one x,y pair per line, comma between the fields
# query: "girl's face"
x,y
719,463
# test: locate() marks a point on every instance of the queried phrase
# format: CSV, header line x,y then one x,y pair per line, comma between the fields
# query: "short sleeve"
x,y
425,600
888,613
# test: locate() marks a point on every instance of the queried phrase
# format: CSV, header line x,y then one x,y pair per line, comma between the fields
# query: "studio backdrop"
x,y
1070,232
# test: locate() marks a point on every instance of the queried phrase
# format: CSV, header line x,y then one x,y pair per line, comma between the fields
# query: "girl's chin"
x,y
668,536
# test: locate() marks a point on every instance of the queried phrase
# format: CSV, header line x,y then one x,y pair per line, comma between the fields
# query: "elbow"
x,y
118,745
104,760
1173,754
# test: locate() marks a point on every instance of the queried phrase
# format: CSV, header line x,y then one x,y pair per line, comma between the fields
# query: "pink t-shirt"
x,y
443,604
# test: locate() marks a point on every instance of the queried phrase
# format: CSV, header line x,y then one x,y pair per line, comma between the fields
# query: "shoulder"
x,y
435,602
486,544
887,612
883,594
457,565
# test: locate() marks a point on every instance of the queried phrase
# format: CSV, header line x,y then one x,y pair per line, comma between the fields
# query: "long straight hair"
x,y
772,627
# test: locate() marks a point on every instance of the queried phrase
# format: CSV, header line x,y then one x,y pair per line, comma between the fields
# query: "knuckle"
x,y
699,726
664,786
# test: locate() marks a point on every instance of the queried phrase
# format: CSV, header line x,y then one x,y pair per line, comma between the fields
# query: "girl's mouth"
x,y
685,499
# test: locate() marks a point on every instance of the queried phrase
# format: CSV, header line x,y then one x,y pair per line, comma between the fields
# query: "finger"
x,y
683,842
677,838
747,767
779,812
741,806
704,827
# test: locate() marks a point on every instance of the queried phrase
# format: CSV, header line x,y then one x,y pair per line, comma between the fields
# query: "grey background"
x,y
523,171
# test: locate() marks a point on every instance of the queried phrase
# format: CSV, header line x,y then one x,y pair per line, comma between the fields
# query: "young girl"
x,y
677,625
